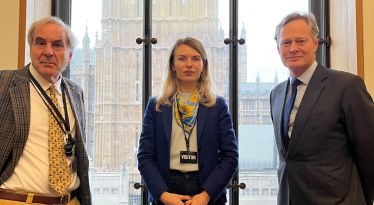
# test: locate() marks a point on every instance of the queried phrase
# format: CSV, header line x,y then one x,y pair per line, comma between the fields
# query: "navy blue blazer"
x,y
216,142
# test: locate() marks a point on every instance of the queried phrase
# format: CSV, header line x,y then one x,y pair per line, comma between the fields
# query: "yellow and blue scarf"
x,y
187,109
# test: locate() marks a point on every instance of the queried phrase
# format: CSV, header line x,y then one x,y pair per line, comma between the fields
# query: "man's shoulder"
x,y
9,75
279,86
341,75
72,85
337,78
12,72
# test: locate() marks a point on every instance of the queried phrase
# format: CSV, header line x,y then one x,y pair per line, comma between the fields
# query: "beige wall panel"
x,y
368,41
9,21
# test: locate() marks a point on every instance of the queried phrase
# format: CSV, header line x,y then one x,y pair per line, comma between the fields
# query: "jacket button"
x,y
202,167
288,161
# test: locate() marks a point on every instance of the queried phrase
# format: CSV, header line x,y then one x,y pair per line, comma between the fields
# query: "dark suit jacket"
x,y
216,142
15,125
330,156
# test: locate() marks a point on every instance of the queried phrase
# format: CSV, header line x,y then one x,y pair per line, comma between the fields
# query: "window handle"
x,y
326,41
240,41
138,186
236,186
146,40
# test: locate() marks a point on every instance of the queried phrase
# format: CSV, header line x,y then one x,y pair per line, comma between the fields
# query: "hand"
x,y
173,199
199,199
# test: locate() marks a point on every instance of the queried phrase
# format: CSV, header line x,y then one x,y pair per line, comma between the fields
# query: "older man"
x,y
323,124
42,125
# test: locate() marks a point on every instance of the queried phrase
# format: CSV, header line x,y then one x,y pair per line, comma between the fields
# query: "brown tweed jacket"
x,y
15,125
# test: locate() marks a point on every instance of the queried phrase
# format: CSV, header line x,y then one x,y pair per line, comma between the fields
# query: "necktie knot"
x,y
295,82
52,89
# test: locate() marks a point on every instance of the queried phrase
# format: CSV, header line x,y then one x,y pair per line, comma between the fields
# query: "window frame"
x,y
62,9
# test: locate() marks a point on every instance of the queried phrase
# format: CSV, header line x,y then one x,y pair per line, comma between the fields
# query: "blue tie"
x,y
287,111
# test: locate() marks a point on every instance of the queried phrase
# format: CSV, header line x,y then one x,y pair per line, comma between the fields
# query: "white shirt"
x,y
31,171
304,78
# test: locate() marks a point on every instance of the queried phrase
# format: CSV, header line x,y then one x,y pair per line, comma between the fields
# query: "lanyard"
x,y
56,112
184,132
71,141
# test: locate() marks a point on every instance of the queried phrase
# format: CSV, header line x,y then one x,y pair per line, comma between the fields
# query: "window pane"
x,y
108,66
198,19
205,20
260,69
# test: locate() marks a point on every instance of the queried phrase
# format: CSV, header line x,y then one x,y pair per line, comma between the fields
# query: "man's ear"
x,y
70,55
315,45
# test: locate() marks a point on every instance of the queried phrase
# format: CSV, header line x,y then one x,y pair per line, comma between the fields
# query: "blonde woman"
x,y
188,151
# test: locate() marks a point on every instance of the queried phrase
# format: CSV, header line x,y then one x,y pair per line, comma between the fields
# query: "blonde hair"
x,y
204,84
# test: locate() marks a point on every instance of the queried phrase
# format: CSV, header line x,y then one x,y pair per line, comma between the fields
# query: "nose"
x,y
189,63
293,47
48,51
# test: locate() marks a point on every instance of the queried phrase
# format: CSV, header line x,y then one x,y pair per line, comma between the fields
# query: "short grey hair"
x,y
306,16
71,38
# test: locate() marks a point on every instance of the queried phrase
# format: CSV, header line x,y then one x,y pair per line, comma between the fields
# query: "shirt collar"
x,y
43,82
307,75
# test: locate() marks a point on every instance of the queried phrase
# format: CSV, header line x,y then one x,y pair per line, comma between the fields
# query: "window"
x,y
113,64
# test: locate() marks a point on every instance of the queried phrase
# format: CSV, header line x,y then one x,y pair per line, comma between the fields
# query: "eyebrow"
x,y
192,56
42,39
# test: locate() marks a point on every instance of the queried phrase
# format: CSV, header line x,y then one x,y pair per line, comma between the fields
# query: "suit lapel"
x,y
76,106
279,103
20,95
167,117
310,98
201,116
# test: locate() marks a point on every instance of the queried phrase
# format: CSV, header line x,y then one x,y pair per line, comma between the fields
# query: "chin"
x,y
295,65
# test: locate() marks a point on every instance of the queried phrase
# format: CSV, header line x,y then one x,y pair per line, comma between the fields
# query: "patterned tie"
x,y
59,173
287,111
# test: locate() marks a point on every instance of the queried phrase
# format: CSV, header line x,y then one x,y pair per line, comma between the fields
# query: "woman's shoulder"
x,y
152,102
220,100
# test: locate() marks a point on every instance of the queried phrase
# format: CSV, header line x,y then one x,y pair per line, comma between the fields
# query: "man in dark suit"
x,y
42,124
323,124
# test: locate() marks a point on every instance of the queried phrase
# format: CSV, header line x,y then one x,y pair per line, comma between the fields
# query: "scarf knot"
x,y
188,110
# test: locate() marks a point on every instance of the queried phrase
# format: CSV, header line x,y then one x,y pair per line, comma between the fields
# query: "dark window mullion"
x,y
62,9
233,86
147,69
147,53
320,10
